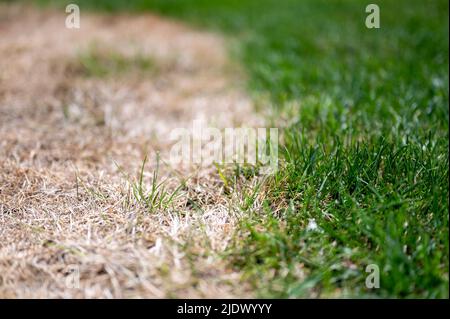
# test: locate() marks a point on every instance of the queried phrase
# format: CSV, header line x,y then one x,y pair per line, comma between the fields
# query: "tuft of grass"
x,y
158,196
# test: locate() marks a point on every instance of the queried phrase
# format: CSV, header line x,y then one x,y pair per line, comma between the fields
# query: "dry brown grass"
x,y
66,140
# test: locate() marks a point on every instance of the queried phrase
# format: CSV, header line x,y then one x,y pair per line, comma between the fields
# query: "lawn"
x,y
364,157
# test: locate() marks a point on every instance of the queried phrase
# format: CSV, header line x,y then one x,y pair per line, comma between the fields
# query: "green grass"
x,y
367,154
96,62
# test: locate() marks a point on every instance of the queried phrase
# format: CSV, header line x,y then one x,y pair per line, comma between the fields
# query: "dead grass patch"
x,y
67,139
